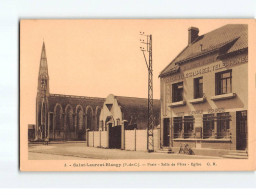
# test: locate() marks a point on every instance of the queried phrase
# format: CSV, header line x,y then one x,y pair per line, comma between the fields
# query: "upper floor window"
x,y
224,82
177,92
198,87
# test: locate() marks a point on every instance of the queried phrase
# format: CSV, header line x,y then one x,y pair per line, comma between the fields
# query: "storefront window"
x,y
177,92
198,87
208,125
177,125
223,124
224,82
188,126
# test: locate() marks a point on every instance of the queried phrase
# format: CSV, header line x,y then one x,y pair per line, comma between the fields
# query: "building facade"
x,y
204,91
63,117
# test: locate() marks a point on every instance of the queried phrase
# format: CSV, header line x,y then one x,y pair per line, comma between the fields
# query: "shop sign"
x,y
210,68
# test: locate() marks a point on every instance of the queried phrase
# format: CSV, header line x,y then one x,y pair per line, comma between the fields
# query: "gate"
x,y
115,137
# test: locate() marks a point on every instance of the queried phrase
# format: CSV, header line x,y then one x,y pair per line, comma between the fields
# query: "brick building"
x,y
204,92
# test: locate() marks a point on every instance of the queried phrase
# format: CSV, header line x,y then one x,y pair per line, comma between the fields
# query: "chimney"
x,y
192,34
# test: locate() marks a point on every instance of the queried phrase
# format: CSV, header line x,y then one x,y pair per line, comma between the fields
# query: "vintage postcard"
x,y
137,95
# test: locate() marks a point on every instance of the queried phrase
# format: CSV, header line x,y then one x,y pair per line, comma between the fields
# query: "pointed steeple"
x,y
43,70
43,77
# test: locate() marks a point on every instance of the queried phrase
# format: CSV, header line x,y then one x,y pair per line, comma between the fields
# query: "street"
x,y
79,151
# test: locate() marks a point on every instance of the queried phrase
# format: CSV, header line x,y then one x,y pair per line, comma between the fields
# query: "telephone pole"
x,y
147,40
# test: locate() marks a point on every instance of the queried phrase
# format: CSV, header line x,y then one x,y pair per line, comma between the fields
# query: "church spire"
x,y
43,70
43,77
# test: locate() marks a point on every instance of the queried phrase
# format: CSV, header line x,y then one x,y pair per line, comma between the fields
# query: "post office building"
x,y
204,92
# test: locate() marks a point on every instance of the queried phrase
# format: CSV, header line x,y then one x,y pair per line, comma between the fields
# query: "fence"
x,y
134,140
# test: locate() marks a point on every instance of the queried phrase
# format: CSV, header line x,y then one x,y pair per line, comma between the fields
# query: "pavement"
x,y
79,151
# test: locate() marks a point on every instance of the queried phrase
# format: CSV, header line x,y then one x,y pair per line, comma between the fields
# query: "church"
x,y
63,117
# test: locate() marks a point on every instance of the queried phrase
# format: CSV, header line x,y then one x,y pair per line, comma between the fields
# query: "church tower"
x,y
42,99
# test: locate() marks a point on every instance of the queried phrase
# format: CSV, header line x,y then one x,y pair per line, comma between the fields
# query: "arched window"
x,y
58,119
69,119
80,120
89,118
97,118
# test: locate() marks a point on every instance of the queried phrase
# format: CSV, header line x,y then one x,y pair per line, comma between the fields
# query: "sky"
x,y
99,57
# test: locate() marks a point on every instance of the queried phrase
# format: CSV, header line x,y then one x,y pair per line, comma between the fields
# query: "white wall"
x,y
104,139
129,140
97,139
141,139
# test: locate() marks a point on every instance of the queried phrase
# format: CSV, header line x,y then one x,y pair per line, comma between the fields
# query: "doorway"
x,y
166,132
241,130
115,136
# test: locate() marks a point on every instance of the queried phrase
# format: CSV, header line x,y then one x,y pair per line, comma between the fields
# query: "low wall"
x,y
104,139
97,139
137,139
90,139
129,140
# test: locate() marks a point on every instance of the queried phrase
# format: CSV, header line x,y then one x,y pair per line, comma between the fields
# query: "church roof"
x,y
232,36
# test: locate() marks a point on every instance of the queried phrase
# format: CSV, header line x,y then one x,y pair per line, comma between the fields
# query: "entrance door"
x,y
115,137
166,138
241,130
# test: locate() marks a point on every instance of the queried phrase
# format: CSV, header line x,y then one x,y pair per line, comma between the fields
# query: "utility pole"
x,y
147,40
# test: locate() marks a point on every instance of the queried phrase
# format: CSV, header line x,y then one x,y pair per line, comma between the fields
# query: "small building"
x,y
123,124
204,92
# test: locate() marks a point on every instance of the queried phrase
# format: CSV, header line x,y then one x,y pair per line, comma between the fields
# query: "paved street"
x,y
79,151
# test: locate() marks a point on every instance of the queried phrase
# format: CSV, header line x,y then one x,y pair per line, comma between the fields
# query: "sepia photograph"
x,y
167,93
